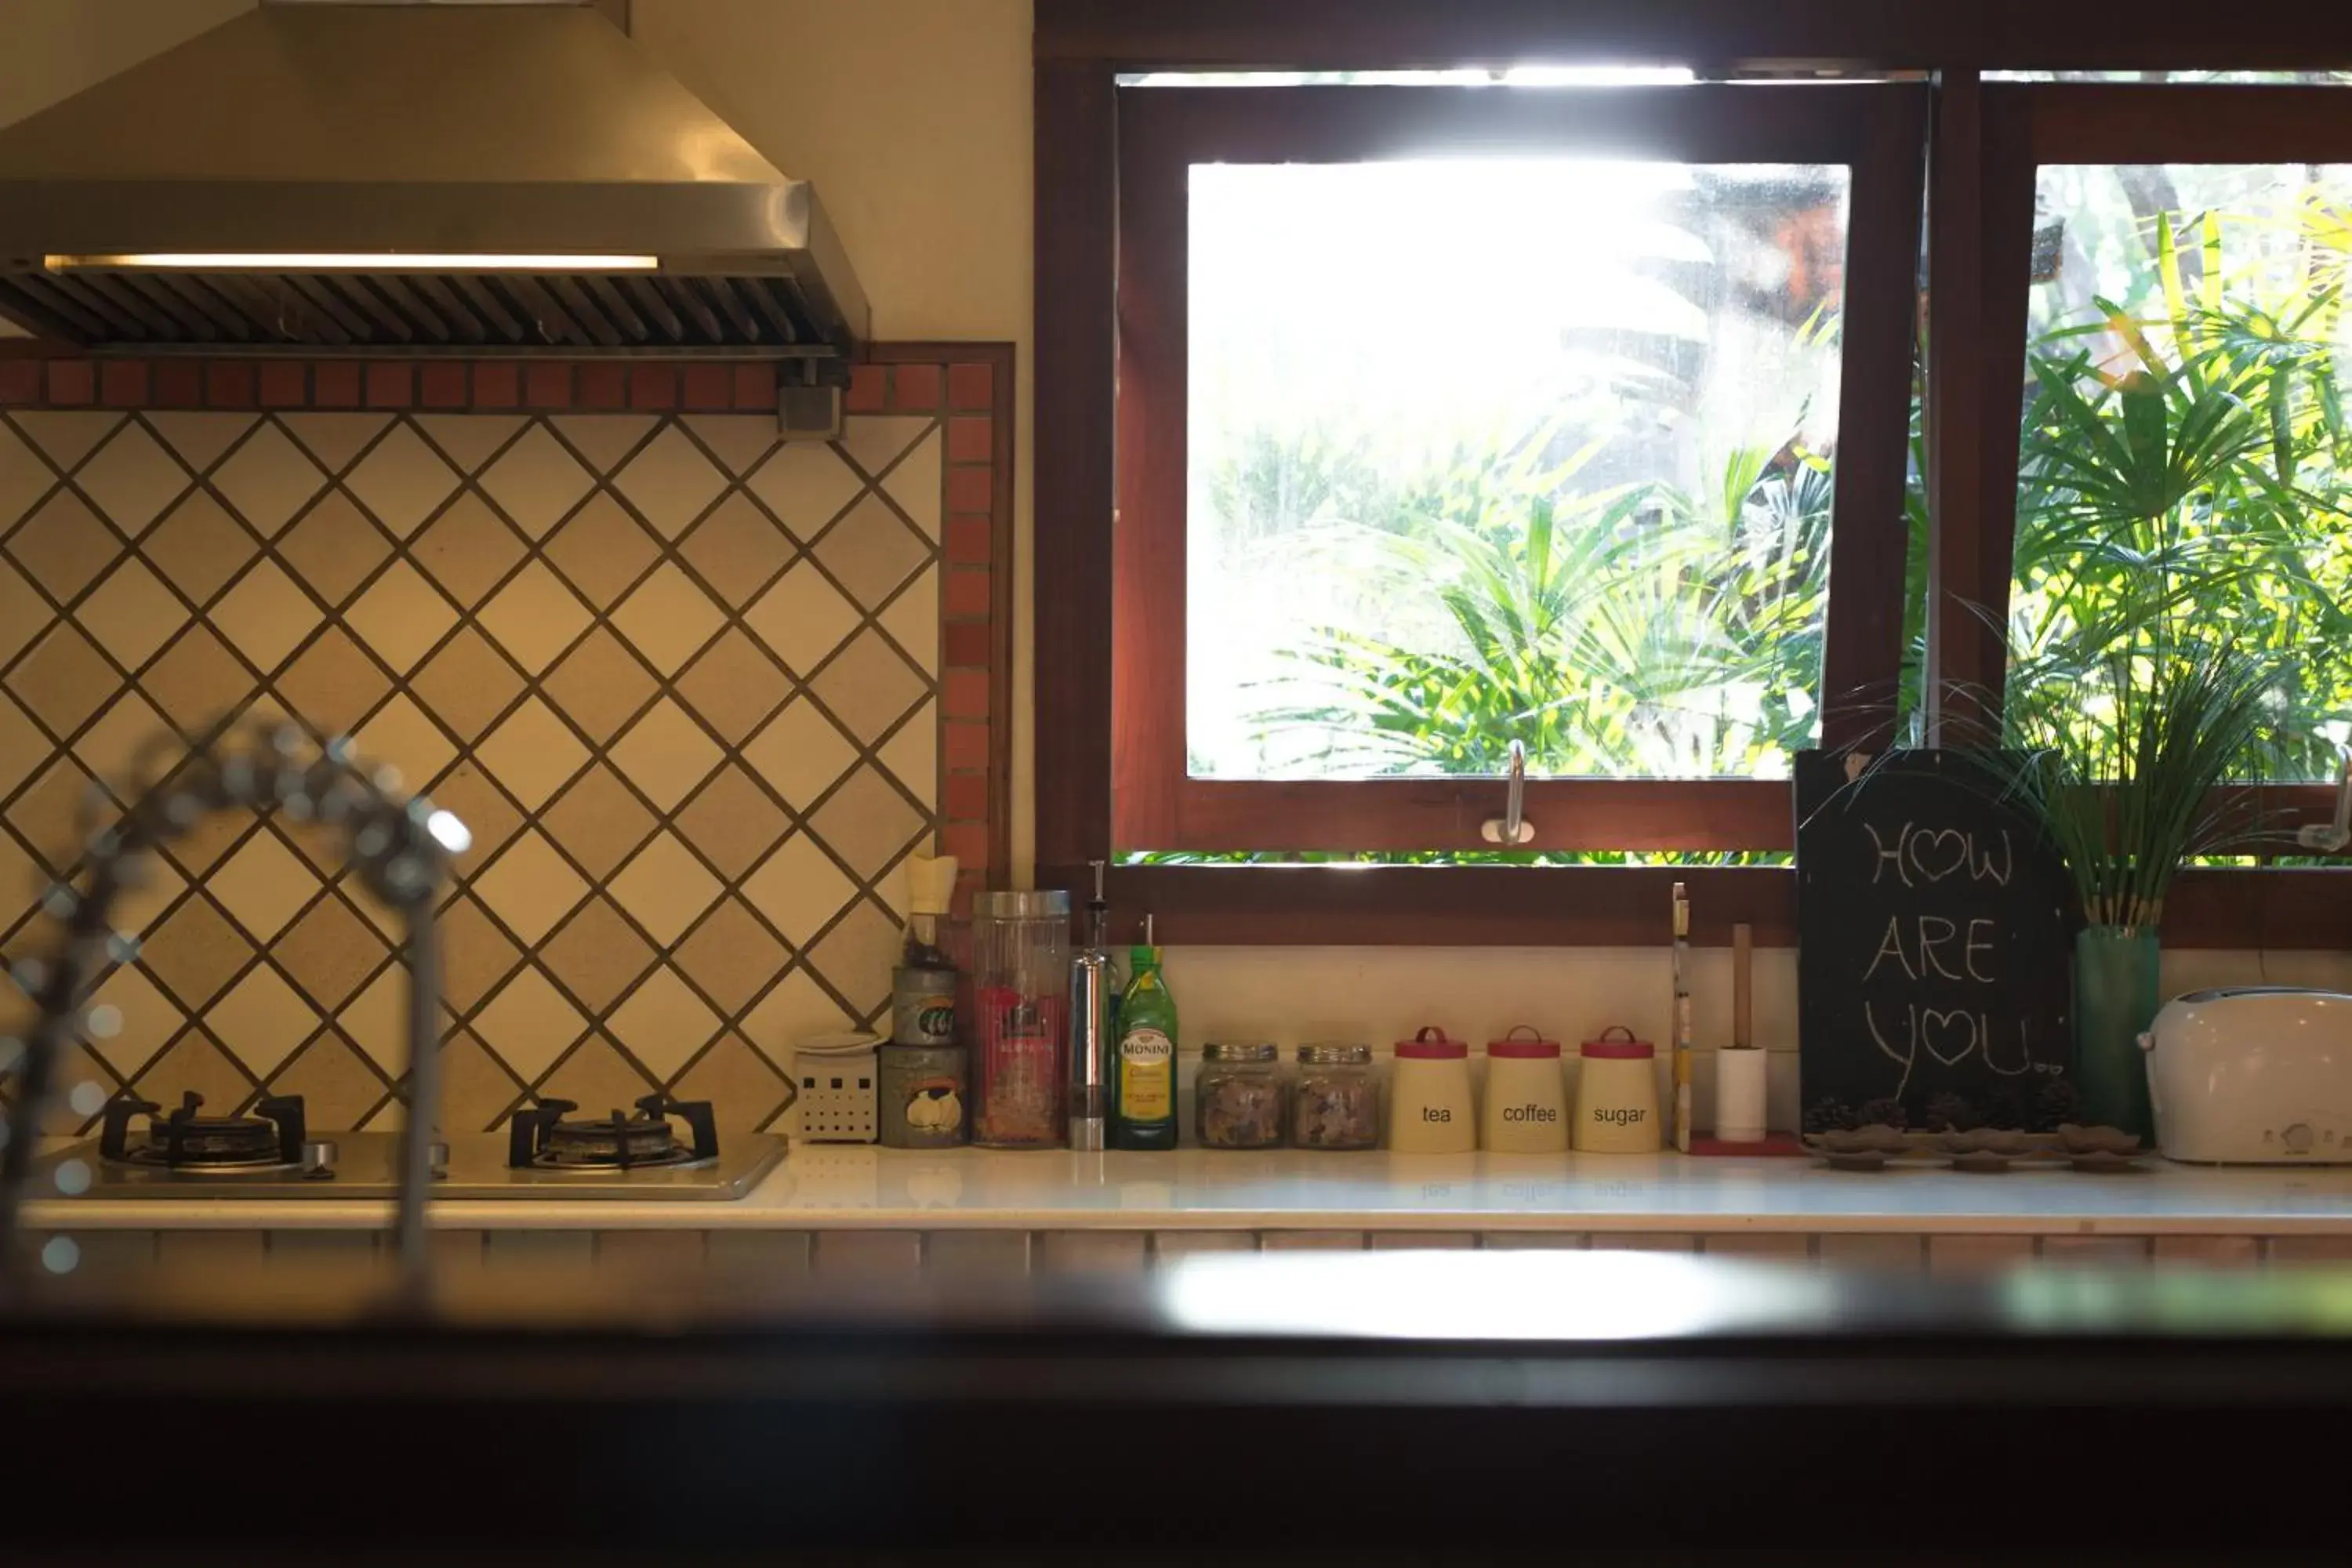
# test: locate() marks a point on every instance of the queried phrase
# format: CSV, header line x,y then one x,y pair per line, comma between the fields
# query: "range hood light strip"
x,y
379,261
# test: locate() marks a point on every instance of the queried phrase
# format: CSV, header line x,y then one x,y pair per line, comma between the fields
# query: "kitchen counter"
x,y
831,1187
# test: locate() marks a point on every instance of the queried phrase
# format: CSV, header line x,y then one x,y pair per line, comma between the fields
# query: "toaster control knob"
x,y
2299,1138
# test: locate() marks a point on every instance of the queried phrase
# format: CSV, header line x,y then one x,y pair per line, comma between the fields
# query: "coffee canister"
x,y
923,1095
1525,1109
1617,1095
1431,1111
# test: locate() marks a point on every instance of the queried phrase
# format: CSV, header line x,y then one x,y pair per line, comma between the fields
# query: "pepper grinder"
x,y
1091,992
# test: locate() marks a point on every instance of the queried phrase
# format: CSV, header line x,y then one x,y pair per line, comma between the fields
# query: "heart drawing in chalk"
x,y
1936,1027
1933,865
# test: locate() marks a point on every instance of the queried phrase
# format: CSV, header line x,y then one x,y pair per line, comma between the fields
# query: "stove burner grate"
x,y
269,1140
541,1138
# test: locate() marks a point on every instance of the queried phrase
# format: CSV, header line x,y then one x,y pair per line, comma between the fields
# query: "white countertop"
x,y
832,1187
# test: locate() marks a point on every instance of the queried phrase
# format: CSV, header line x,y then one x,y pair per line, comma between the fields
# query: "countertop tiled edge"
x,y
1773,1197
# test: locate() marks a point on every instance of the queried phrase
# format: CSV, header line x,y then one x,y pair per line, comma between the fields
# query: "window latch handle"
x,y
1512,827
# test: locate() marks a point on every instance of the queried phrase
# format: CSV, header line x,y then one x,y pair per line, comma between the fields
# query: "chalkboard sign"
x,y
1935,930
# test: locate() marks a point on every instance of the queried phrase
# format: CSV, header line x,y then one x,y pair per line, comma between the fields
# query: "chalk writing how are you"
x,y
1927,948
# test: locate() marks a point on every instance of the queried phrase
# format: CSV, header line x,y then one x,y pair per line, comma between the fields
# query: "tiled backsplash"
x,y
696,693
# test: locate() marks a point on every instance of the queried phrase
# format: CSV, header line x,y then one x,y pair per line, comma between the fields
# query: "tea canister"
x,y
923,1095
1238,1098
1525,1109
1617,1095
1431,1111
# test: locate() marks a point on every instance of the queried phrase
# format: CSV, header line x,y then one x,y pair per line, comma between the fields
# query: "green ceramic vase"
x,y
2114,1003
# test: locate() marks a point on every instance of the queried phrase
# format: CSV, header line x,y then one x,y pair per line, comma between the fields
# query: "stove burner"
x,y
270,1139
541,1139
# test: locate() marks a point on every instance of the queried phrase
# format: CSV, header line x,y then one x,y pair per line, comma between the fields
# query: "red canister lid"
x,y
1514,1045
1433,1043
1618,1044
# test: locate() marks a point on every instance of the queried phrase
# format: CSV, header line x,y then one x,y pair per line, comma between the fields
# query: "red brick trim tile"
x,y
283,384
870,389
966,644
441,384
228,383
603,383
755,387
971,388
710,388
546,385
497,383
915,388
653,386
72,382
123,383
20,382
391,384
336,383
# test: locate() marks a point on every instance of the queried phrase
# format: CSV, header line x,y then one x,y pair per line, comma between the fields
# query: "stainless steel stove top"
x,y
365,1166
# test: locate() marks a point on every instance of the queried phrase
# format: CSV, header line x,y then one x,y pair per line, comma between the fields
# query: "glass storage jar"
x,y
1020,1018
1337,1101
1237,1100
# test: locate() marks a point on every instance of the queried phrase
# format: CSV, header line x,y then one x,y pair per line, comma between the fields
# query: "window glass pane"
x,y
2187,466
1509,448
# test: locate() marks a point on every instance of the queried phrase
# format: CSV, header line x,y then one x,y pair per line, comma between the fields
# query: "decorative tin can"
x,y
924,1091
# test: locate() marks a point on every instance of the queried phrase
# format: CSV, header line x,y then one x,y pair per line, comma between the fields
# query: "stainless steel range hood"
x,y
477,178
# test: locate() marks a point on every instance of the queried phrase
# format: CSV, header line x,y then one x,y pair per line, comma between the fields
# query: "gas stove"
x,y
669,1149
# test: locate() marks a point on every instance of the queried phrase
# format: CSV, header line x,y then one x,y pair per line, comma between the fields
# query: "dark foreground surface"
x,y
1370,1407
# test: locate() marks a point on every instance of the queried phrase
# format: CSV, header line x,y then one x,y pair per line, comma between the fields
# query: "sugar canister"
x,y
1431,1111
1525,1109
1617,1095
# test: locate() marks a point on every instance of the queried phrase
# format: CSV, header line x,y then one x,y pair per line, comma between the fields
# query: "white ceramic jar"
x,y
1526,1107
1431,1109
1617,1095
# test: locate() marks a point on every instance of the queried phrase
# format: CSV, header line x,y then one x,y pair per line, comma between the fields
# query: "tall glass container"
x,y
1021,1018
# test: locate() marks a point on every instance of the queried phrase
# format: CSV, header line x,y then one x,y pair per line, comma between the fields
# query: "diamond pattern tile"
x,y
868,823
535,617
600,821
336,440
734,686
914,484
732,956
604,440
529,1024
198,547
529,887
262,1019
468,684
268,480
468,549
664,1024
598,956
668,619
332,685
800,754
63,680
869,687
802,618
25,478
870,551
737,550
63,546
665,889
805,486
665,754
196,680
536,482
199,438
132,479
66,438
334,548
733,821
531,754
402,480
330,953
670,482
596,660
798,889
266,616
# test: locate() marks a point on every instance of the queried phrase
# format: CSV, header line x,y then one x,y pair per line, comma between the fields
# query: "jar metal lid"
x,y
1239,1051
1524,1041
1611,1047
1335,1053
849,1044
1432,1044
1033,904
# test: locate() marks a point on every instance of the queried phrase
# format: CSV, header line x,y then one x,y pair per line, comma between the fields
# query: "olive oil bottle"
x,y
1143,1075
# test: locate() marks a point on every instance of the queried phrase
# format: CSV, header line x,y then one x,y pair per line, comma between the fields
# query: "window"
x,y
1452,418
1326,354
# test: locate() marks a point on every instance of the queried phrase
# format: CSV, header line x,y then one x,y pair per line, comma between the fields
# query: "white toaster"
x,y
2253,1075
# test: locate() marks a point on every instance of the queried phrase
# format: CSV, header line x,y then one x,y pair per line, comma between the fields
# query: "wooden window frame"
x,y
1977,133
